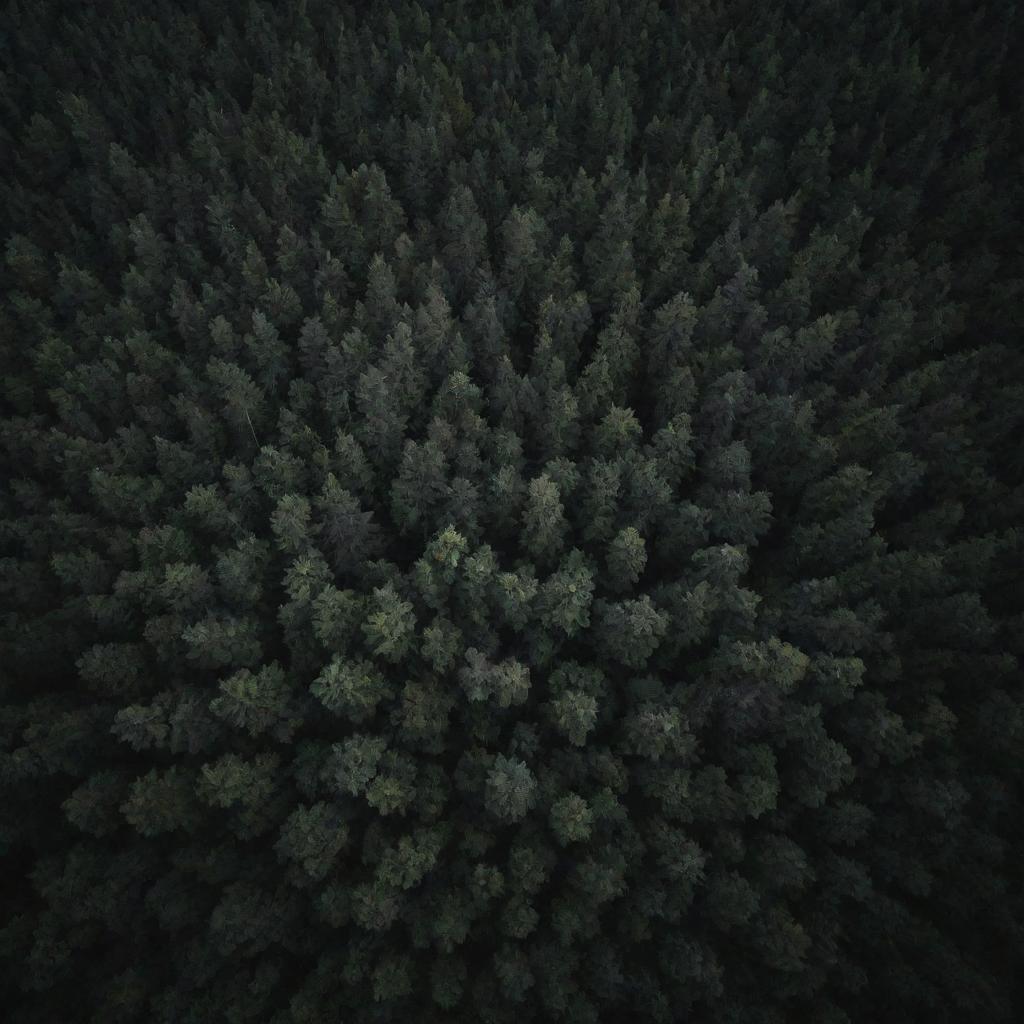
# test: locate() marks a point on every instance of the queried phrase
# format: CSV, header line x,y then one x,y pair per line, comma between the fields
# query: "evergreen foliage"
x,y
511,512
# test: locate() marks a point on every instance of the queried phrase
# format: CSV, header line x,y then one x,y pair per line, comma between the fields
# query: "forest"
x,y
512,512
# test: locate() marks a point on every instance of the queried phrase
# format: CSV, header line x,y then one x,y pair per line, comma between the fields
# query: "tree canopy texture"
x,y
511,512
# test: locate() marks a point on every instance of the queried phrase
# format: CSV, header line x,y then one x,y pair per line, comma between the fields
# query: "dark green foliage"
x,y
511,512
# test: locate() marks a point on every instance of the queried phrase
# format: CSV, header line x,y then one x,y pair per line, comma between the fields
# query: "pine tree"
x,y
510,513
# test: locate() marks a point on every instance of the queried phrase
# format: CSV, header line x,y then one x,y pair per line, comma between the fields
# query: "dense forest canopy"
x,y
511,512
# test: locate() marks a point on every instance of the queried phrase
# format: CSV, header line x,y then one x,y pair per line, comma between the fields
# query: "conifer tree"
x,y
510,512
